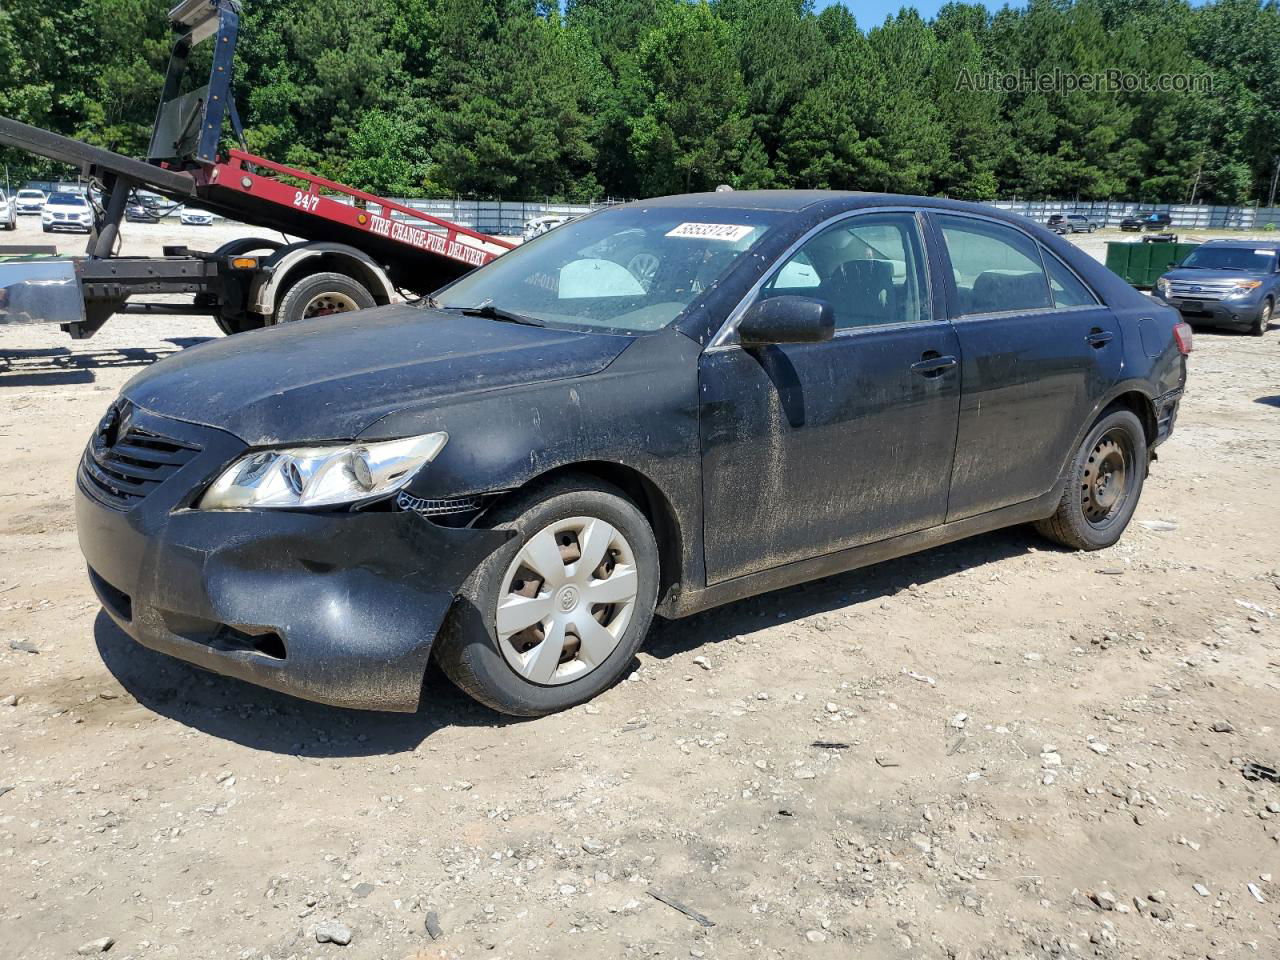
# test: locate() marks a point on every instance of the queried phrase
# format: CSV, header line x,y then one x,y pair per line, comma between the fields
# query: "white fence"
x,y
507,218
1109,213
498,217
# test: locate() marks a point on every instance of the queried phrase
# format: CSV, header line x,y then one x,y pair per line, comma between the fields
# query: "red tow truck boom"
x,y
356,249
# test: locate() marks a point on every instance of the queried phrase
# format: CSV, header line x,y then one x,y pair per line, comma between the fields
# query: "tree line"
x,y
533,99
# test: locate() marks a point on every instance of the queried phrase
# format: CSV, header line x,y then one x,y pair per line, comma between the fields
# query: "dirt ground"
x,y
996,749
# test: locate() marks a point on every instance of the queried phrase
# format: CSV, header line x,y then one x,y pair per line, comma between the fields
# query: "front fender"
x,y
640,412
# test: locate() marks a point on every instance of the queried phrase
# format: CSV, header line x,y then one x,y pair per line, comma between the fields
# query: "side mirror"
x,y
786,320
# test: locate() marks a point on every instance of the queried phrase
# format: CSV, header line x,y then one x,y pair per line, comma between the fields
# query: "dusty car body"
x,y
781,386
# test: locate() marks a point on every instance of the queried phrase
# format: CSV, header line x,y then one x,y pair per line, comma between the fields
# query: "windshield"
x,y
631,269
64,200
30,194
1231,258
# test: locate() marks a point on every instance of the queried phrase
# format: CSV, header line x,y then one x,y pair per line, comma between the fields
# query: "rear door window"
x,y
997,269
1065,286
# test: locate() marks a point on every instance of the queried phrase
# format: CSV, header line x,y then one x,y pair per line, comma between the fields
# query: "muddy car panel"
x,y
757,467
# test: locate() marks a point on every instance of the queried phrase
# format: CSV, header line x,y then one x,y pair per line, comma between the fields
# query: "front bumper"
x,y
339,608
66,225
1217,313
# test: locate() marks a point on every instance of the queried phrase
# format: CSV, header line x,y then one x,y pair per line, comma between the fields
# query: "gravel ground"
x,y
996,749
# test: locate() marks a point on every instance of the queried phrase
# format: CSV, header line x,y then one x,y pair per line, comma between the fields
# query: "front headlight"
x,y
1162,287
299,477
1243,287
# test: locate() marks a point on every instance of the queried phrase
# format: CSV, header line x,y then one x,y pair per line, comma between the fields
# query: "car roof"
x,y
794,201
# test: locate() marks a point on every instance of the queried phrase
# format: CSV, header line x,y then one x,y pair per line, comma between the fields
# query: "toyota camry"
x,y
655,409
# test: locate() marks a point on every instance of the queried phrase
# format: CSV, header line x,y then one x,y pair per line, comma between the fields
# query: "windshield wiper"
x,y
490,312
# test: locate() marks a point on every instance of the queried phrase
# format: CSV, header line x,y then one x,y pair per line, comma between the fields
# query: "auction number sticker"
x,y
729,232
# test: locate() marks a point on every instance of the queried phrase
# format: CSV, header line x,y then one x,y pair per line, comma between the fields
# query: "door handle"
x,y
933,364
1099,338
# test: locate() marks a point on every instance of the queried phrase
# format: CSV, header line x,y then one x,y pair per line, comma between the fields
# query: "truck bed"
x,y
419,252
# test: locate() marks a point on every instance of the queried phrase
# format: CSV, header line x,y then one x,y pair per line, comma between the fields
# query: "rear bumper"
x,y
339,608
1166,410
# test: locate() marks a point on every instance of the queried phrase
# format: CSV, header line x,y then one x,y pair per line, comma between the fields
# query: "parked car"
x,y
66,211
540,225
1071,223
29,201
1148,221
8,213
195,218
141,211
514,475
1226,283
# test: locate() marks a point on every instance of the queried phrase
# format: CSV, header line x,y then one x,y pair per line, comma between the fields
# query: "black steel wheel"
x,y
1103,484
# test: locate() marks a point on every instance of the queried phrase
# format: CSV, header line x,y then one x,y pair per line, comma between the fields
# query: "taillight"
x,y
1182,337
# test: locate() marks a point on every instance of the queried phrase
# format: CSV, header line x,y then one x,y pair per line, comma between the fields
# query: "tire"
x,y
493,668
320,294
1264,318
1093,514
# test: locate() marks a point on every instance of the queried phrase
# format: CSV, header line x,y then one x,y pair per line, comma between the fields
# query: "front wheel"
x,y
1103,485
1264,318
555,616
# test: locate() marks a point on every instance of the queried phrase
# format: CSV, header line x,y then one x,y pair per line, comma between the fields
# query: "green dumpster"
x,y
1141,264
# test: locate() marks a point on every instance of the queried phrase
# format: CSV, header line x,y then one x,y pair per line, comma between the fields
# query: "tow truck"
x,y
355,250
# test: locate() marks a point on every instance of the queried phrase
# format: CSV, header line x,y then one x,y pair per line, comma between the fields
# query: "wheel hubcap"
x,y
323,304
1105,483
566,600
644,267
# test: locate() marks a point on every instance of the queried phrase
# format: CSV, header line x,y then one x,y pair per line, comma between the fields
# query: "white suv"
x,y
66,211
8,217
29,201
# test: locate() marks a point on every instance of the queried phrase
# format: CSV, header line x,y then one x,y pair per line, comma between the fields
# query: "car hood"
x,y
1198,275
330,378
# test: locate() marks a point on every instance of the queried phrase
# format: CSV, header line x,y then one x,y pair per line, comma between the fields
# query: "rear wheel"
x,y
320,295
556,615
1264,318
1103,485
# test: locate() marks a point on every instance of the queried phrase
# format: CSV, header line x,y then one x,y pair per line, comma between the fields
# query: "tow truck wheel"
x,y
320,295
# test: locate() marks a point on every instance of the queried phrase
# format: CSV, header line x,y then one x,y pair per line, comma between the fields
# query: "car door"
x,y
812,448
1039,349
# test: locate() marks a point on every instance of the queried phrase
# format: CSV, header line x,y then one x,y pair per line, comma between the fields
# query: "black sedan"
x,y
655,409
1148,221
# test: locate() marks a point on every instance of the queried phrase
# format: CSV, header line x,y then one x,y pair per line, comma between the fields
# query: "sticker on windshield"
x,y
729,232
1264,253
